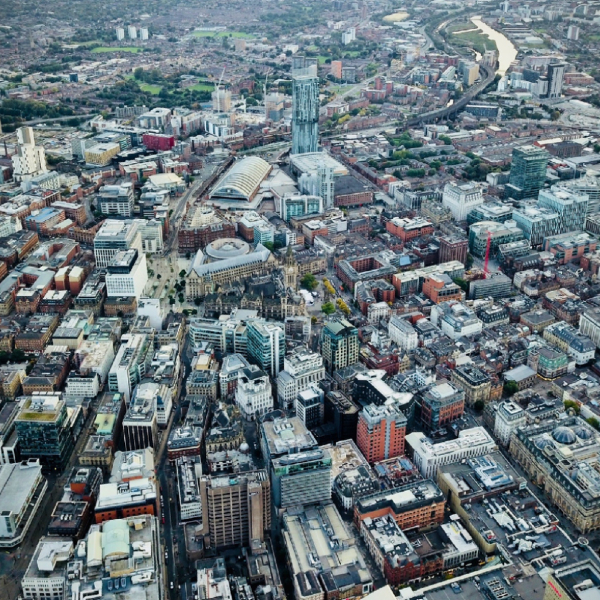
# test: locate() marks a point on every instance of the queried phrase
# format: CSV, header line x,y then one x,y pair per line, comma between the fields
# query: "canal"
x,y
507,53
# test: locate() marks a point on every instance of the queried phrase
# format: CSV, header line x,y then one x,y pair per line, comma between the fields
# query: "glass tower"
x,y
527,172
305,110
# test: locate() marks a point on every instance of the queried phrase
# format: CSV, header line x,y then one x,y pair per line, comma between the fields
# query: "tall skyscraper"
x,y
266,346
380,432
527,172
30,160
339,344
556,75
305,110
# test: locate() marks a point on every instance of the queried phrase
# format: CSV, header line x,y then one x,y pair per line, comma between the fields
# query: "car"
x,y
456,588
171,585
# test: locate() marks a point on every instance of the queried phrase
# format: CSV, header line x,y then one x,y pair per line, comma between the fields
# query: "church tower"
x,y
291,269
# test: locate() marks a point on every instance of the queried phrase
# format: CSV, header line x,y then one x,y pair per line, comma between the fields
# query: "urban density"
x,y
300,300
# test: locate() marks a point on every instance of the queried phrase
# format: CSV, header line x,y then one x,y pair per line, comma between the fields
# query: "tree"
x,y
594,423
309,282
479,405
197,301
159,276
511,387
572,404
269,246
328,308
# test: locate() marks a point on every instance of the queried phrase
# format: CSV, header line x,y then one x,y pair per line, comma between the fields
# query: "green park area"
x,y
151,89
475,39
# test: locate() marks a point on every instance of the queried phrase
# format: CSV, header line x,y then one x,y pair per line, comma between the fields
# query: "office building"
x,y
300,205
339,344
305,110
441,405
116,199
527,172
453,248
22,489
266,345
340,569
565,337
29,160
509,417
301,478
402,333
282,436
44,429
578,581
561,455
497,234
380,432
462,198
301,369
130,364
317,173
253,394
310,406
127,274
456,320
496,286
415,506
475,383
236,510
114,236
46,575
122,499
428,457
140,424
571,208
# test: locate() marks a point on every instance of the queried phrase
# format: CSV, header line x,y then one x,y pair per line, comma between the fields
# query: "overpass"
x,y
487,75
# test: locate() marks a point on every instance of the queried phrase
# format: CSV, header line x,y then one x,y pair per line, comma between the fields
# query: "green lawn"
x,y
152,89
322,59
352,54
231,34
102,49
467,26
202,87
477,40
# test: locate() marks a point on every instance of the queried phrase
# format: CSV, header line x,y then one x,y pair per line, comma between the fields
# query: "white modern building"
x,y
428,456
462,198
30,160
114,236
456,320
22,488
253,395
131,363
189,473
509,417
132,32
120,33
301,369
46,575
116,200
144,33
152,236
402,333
127,274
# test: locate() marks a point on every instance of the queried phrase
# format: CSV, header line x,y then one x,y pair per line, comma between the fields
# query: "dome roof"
x,y
564,435
583,433
543,442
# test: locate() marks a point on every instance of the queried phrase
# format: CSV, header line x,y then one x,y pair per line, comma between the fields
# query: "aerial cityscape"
x,y
300,301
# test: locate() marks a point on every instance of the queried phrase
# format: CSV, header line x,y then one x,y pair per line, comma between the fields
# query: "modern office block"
x,y
266,345
527,172
339,344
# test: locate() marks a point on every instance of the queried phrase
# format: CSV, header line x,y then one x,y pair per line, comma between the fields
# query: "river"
x,y
507,53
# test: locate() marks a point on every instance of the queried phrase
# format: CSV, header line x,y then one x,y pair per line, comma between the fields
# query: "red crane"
x,y
487,255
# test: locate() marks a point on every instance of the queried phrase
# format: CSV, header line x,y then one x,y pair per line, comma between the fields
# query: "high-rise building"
x,y
115,236
462,198
527,172
299,205
130,364
221,100
116,200
556,76
336,69
235,510
441,405
380,432
339,344
140,425
253,394
120,33
573,33
266,345
305,110
144,34
132,32
30,160
44,430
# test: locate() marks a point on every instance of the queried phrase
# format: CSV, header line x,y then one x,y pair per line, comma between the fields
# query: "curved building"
x,y
242,181
225,248
499,233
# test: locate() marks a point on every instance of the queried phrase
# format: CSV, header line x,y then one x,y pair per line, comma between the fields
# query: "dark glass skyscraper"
x,y
527,172
305,109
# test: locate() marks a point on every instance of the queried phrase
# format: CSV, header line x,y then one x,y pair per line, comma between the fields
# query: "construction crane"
x,y
487,255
